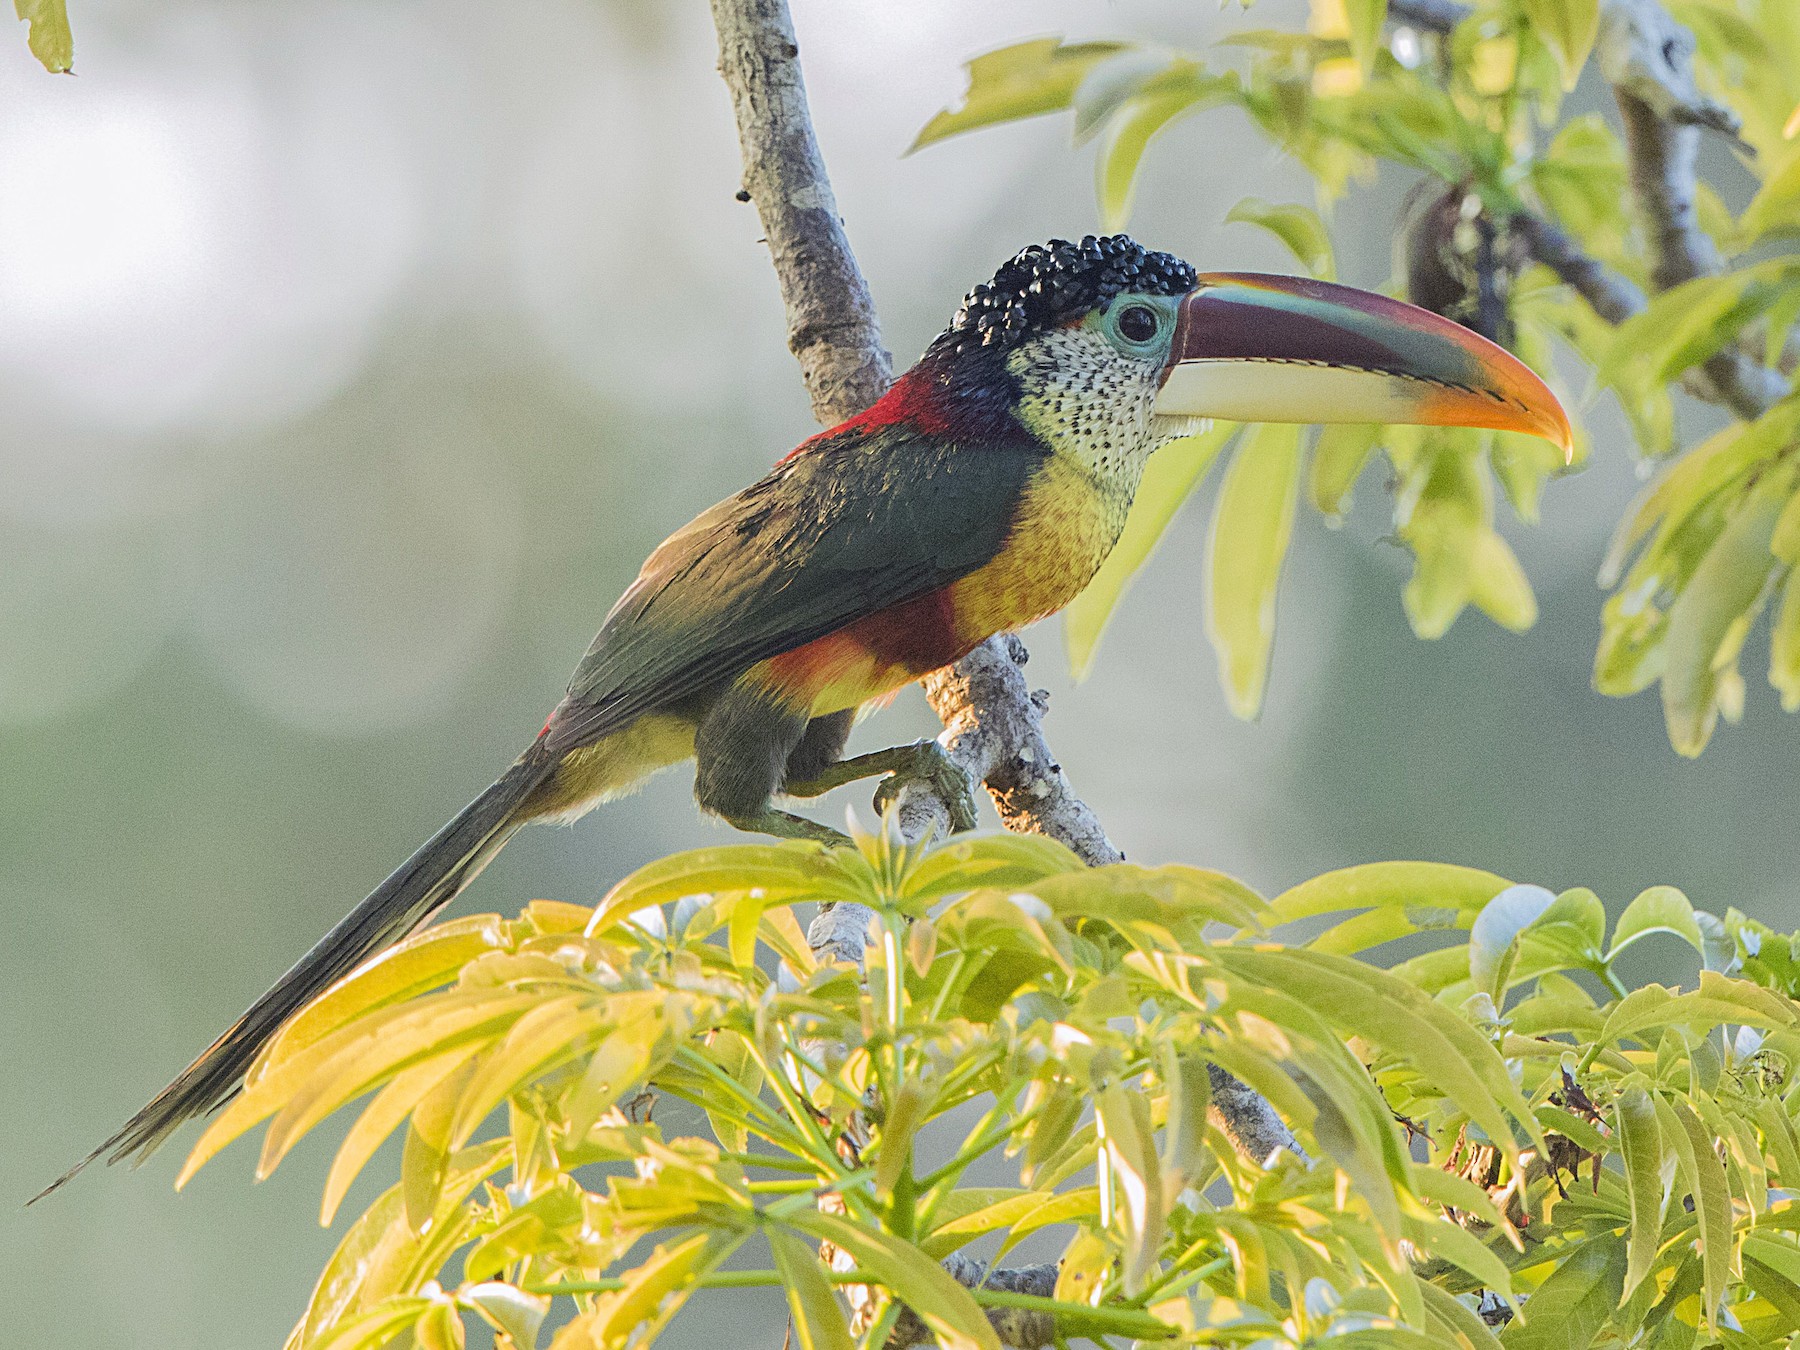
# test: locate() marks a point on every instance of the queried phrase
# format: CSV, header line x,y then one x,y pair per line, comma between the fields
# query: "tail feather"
x,y
418,888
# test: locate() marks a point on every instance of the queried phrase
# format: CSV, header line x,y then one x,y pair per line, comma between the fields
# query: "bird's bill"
x,y
1255,348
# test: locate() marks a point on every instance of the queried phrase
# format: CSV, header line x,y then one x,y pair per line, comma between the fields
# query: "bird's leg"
x,y
922,762
786,825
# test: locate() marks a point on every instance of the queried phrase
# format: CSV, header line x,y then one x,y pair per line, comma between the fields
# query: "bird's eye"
x,y
1137,323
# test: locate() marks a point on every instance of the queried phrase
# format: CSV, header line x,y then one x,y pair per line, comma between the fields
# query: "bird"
x,y
979,494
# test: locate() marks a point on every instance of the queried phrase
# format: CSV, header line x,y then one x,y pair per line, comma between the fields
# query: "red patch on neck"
x,y
912,400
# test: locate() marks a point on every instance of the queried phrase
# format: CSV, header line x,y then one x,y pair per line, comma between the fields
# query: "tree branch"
x,y
832,329
1648,59
993,722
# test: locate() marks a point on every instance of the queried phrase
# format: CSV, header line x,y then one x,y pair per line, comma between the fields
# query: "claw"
x,y
930,764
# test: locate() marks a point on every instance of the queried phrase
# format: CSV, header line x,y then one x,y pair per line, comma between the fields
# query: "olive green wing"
x,y
851,525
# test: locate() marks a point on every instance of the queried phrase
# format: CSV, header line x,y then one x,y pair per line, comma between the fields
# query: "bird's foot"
x,y
921,762
787,825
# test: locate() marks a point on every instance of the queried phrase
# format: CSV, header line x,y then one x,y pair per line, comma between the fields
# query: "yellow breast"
x,y
1068,521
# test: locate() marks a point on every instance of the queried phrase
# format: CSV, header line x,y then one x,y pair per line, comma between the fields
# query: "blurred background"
x,y
353,354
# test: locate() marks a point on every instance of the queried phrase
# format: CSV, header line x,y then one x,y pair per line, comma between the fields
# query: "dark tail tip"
x,y
418,888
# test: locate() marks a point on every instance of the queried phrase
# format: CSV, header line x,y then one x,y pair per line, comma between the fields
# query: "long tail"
x,y
418,888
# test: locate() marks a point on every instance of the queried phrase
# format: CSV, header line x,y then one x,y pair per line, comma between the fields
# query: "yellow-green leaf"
x,y
818,1316
1400,885
379,1119
508,1309
1171,475
49,35
1252,525
423,961
1569,28
1571,1306
921,1283
1498,586
1366,18
1338,459
1128,136
1784,645
1640,1142
1704,1176
1024,80
1719,595
1660,909
1297,226
1776,206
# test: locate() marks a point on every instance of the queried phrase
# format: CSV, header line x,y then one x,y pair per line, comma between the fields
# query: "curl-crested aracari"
x,y
979,494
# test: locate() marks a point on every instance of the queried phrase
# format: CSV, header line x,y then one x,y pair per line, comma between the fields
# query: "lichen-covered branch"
x,y
993,729
1612,296
832,329
1648,58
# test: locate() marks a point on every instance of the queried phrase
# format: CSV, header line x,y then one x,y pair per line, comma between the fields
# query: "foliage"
x,y
1499,1113
48,32
1476,118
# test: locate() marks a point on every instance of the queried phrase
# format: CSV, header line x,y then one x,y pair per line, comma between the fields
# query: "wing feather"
x,y
856,523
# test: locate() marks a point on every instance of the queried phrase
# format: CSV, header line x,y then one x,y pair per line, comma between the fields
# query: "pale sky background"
x,y
352,355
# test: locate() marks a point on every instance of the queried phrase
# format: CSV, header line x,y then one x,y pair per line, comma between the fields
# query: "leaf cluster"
x,y
1476,117
1498,1118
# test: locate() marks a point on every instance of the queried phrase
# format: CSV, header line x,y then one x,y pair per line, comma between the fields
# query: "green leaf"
x,y
1494,938
1171,475
1447,1051
1420,886
1016,82
785,871
1458,1317
508,1309
551,1034
380,1118
1686,324
1568,1309
423,961
377,1327
1776,206
921,1283
1299,227
1251,527
1128,136
1640,1141
818,1316
1717,600
1704,1178
49,35
311,1085
1569,28
1113,82
1784,645
1366,18
1450,1242
1498,586
1660,909
1339,456
654,1292
1136,1177
965,1215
